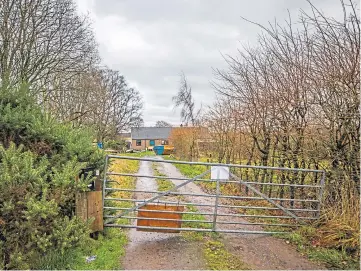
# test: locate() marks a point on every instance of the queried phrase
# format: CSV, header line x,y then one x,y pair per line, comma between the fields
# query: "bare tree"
x,y
102,100
184,99
299,97
162,123
189,114
47,45
44,43
223,123
117,106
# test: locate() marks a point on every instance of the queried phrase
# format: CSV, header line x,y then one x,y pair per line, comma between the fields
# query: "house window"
x,y
138,142
164,142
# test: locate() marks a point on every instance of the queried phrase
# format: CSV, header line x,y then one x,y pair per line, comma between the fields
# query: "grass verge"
x,y
192,235
108,249
306,239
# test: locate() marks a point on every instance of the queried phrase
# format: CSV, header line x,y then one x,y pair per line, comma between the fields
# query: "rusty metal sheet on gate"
x,y
173,210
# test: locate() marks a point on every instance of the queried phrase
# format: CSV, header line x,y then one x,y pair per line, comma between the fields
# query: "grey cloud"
x,y
152,41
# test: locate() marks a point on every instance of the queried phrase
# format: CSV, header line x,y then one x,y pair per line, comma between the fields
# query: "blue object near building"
x,y
158,150
100,145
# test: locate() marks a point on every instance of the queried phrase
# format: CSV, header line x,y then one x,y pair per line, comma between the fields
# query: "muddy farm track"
x,y
167,251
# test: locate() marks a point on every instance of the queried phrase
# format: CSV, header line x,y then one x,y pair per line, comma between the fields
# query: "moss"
x,y
218,258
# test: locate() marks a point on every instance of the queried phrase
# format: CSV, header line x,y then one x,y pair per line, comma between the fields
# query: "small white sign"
x,y
219,172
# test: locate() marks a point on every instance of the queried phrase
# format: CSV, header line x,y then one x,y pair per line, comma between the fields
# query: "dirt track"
x,y
159,251
170,251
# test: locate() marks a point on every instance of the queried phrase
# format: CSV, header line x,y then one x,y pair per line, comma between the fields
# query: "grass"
x,y
195,216
163,184
334,259
191,171
108,250
109,247
195,236
138,154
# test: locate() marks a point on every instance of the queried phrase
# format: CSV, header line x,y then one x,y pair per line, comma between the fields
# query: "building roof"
x,y
151,132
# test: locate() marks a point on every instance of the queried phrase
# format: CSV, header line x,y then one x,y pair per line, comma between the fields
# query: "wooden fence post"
x,y
89,205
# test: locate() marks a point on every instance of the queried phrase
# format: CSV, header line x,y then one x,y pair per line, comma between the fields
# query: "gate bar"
x,y
208,195
198,213
207,221
220,205
192,229
265,197
105,178
207,180
216,204
321,194
212,164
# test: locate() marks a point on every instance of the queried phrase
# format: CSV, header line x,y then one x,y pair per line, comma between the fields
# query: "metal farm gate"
x,y
226,198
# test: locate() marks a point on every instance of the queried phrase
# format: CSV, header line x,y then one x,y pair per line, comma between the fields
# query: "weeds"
x,y
333,258
307,240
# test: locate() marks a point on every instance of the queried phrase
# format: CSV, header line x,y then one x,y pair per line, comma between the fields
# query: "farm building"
x,y
145,137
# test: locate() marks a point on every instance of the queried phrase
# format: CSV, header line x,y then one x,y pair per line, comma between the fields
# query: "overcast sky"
x,y
151,41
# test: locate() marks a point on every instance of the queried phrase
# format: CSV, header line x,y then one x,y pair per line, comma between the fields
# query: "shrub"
x,y
40,161
115,145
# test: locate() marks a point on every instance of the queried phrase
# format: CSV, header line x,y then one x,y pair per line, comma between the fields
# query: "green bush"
x,y
115,145
22,122
40,162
